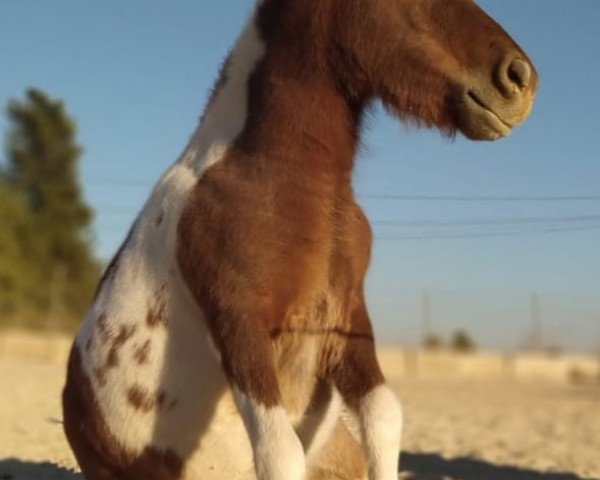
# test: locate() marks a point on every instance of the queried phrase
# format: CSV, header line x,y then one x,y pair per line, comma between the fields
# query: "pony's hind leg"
x,y
319,420
332,452
340,459
93,466
75,419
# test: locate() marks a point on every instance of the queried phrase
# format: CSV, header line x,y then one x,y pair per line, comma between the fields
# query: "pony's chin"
x,y
479,122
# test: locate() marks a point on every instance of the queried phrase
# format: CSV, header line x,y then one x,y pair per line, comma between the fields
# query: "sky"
x,y
480,226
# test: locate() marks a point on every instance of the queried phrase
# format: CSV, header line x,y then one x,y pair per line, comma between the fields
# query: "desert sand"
x,y
458,429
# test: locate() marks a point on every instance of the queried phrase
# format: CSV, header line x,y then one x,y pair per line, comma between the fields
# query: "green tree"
x,y
58,267
433,342
462,341
15,221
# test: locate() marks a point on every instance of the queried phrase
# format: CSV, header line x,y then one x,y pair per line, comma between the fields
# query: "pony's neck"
x,y
226,112
299,121
267,105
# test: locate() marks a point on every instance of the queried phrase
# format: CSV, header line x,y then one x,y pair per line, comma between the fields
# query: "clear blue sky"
x,y
135,75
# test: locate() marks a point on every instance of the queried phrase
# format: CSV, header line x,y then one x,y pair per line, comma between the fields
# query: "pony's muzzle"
x,y
514,77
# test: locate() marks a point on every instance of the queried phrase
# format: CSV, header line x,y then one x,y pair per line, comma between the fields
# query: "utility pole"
x,y
426,324
535,339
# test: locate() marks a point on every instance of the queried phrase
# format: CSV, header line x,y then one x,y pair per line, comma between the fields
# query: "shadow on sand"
x,y
15,469
417,466
431,466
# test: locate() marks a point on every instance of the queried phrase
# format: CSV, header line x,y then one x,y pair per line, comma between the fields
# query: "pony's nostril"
x,y
518,74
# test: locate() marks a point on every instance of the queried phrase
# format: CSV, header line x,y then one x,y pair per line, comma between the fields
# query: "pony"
x,y
230,329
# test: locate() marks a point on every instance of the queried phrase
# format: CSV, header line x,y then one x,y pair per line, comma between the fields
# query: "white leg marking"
x,y
380,417
278,453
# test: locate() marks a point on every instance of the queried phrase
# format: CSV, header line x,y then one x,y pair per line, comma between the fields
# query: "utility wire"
x,y
485,221
483,198
123,182
131,210
119,209
510,233
132,182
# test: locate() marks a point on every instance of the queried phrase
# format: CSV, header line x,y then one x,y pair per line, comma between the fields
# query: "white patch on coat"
x,y
278,453
380,417
226,117
197,419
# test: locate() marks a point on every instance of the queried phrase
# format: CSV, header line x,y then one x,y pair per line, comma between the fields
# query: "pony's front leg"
x,y
248,360
361,383
380,417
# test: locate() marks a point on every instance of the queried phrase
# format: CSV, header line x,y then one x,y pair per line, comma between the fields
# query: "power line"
x,y
482,198
131,209
545,224
436,236
133,182
125,182
485,221
119,209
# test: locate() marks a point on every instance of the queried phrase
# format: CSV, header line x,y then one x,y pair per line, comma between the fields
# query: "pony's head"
x,y
442,63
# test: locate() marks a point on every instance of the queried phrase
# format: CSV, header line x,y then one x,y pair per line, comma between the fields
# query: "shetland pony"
x,y
231,326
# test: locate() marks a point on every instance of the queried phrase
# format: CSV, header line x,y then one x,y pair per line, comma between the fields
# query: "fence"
x,y
522,367
398,363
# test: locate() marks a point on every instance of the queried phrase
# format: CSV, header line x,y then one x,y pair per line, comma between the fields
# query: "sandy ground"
x,y
460,429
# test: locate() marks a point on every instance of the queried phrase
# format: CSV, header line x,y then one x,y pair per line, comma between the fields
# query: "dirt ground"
x,y
459,429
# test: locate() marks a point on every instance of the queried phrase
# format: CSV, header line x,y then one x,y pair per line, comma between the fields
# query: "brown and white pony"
x,y
231,326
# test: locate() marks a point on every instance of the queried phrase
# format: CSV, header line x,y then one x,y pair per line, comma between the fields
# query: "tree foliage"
x,y
433,342
47,266
462,341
